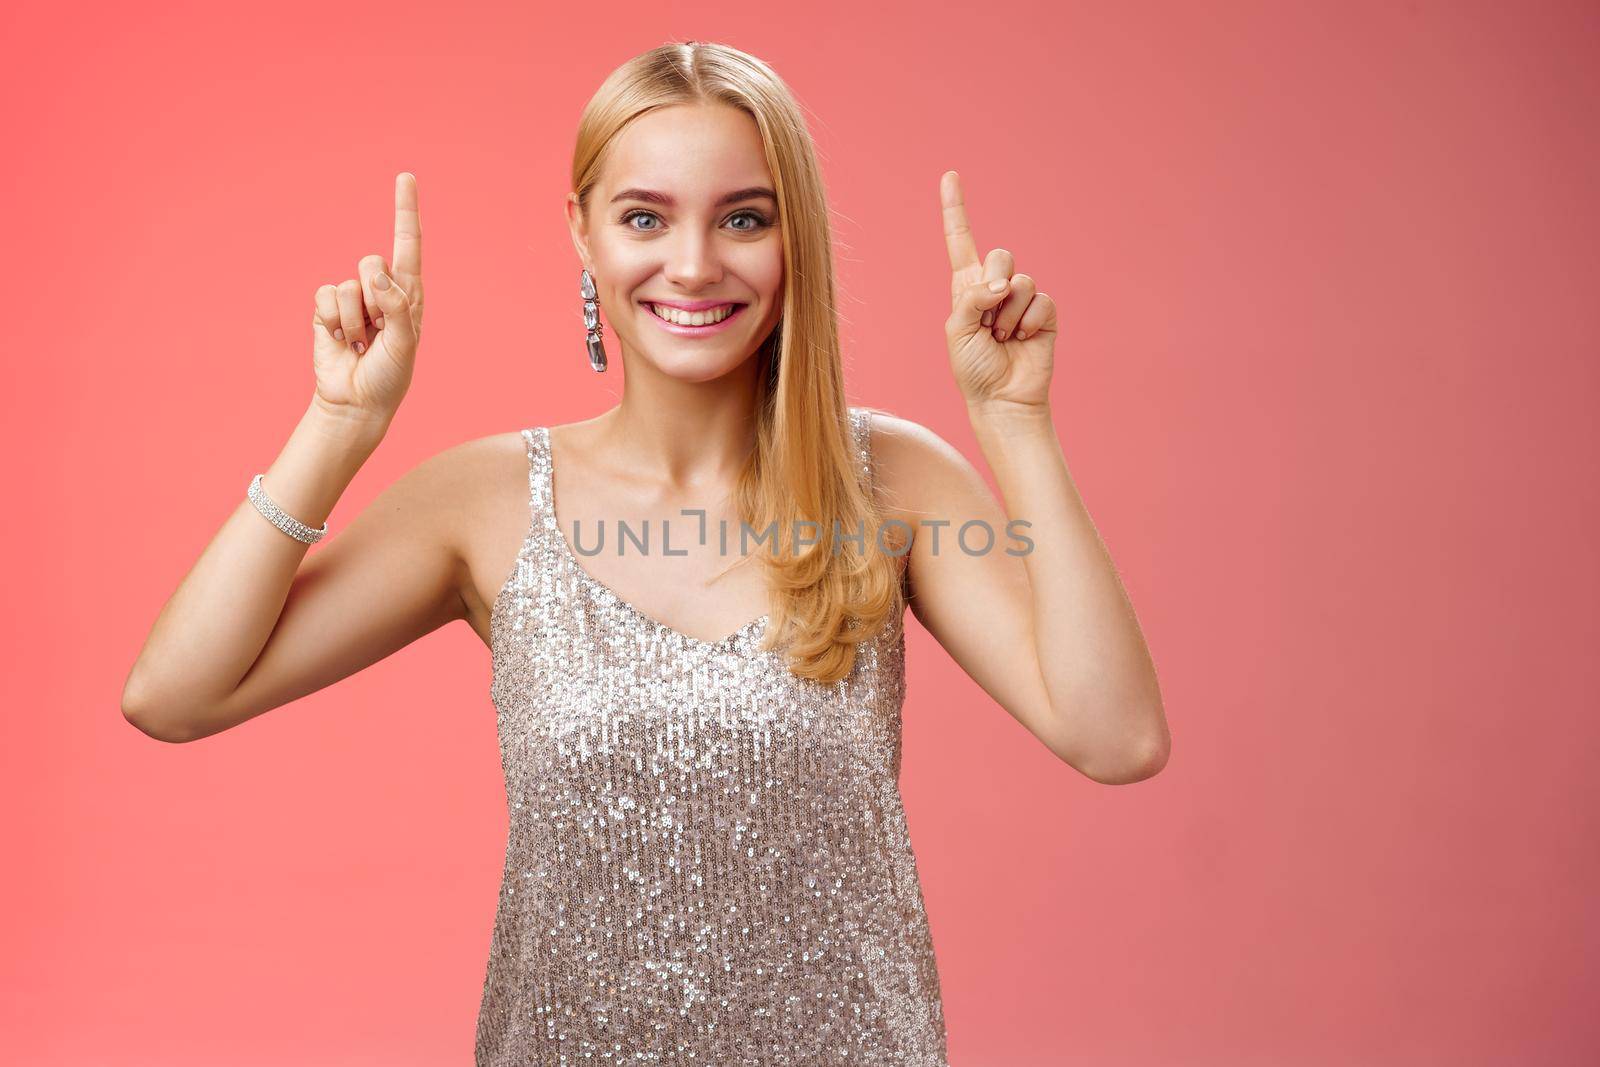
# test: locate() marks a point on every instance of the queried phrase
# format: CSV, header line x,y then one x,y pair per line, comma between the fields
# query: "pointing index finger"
x,y
957,234
407,258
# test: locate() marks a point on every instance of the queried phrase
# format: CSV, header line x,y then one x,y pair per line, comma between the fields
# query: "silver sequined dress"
x,y
708,860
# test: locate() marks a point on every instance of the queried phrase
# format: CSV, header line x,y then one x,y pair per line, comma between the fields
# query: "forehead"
x,y
689,151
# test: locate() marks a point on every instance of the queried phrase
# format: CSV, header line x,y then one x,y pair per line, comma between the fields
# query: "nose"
x,y
692,262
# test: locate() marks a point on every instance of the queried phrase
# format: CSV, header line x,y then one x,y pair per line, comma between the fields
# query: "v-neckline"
x,y
570,556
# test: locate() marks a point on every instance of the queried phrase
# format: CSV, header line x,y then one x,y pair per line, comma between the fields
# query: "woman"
x,y
708,859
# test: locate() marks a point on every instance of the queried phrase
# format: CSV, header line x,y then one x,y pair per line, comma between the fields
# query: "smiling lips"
x,y
698,318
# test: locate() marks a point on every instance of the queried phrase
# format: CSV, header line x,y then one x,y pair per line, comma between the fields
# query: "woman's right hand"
x,y
365,330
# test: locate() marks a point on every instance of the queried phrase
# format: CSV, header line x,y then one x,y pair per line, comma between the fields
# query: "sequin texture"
x,y
708,859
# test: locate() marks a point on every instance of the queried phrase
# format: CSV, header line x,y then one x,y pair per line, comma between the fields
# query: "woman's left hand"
x,y
1002,344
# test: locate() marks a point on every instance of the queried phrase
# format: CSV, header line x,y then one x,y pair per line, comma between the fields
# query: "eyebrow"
x,y
650,196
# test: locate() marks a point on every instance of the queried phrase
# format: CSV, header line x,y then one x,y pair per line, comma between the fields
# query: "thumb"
x,y
396,305
974,300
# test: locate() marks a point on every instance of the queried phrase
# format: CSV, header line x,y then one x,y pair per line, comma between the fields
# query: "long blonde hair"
x,y
804,467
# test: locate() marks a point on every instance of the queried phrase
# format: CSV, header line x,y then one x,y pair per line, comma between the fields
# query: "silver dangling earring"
x,y
591,322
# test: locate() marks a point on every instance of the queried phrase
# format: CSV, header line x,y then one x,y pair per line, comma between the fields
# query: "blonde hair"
x,y
804,467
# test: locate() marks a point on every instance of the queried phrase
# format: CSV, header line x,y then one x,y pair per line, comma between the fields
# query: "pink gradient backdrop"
x,y
1327,380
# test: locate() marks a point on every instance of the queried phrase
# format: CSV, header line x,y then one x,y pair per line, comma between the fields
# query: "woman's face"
x,y
684,214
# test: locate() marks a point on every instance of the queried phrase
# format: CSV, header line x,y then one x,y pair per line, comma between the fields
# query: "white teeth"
x,y
692,318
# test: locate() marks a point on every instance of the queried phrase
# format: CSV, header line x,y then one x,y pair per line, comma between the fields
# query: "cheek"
x,y
764,272
622,272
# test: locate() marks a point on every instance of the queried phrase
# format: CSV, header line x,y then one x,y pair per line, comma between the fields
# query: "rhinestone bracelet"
x,y
275,515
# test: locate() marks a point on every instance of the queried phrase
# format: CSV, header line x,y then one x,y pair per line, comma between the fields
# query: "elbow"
x,y
141,718
1132,765
1154,760
153,728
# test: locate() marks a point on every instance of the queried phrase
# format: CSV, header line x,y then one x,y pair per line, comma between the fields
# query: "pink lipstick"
x,y
696,305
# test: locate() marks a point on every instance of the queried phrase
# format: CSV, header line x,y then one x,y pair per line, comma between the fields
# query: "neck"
x,y
679,433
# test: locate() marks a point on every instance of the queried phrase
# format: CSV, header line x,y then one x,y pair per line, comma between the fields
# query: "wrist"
x,y
1009,416
353,430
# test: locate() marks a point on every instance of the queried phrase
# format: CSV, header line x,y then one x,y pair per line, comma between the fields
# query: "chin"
x,y
688,366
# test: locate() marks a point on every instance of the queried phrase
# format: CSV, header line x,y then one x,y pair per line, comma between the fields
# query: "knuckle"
x,y
349,287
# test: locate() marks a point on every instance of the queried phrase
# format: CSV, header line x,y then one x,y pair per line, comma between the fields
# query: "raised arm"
x,y
256,622
1039,619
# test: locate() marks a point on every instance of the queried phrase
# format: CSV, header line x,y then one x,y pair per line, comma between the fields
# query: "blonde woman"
x,y
708,858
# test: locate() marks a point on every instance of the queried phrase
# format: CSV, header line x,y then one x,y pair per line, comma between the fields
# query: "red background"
x,y
1326,382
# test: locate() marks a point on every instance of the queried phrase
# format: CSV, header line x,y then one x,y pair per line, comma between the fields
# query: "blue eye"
x,y
758,220
756,217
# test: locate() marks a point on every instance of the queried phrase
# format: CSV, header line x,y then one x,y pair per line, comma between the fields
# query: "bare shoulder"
x,y
478,458
914,467
469,460
454,482
484,493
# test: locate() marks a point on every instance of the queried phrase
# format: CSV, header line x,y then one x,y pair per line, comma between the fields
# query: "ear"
x,y
579,226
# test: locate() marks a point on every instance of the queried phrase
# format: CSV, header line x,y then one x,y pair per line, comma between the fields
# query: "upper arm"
x,y
392,576
975,601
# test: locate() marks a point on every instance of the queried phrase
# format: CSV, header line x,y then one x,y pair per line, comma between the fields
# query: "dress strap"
x,y
861,431
540,481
